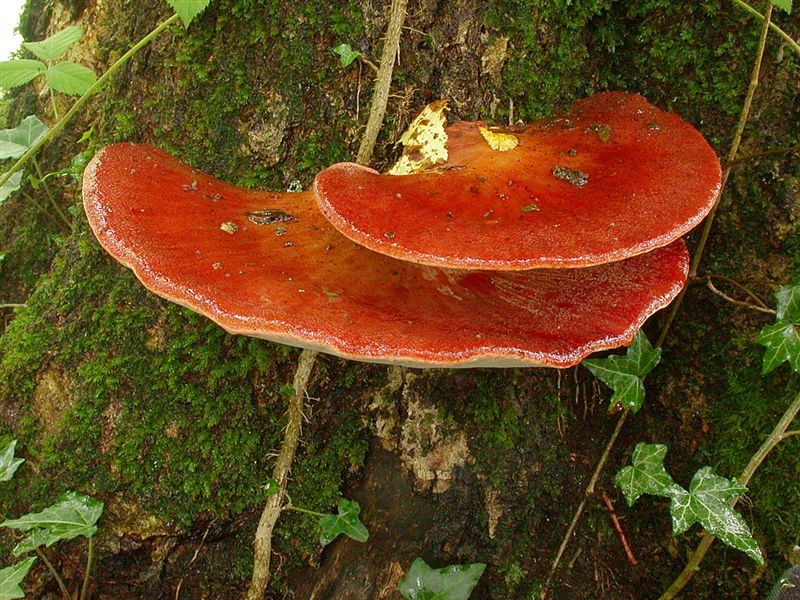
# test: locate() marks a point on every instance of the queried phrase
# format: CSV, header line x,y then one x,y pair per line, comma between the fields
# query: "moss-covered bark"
x,y
116,393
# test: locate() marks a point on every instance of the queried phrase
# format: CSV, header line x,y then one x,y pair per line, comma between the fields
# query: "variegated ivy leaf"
x,y
73,515
624,374
9,464
708,502
454,582
646,474
11,577
782,338
346,522
16,142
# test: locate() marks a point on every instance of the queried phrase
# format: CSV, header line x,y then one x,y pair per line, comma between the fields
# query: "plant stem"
x,y
380,96
787,38
778,434
773,152
54,573
737,138
710,285
11,305
55,129
586,495
313,513
49,194
88,572
53,104
273,508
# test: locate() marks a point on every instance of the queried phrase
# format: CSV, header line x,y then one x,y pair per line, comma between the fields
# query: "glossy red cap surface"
x,y
613,178
270,265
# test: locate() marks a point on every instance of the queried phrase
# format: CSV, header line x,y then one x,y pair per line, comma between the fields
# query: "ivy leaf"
x,y
9,464
14,73
782,338
56,45
646,474
188,9
624,374
11,577
36,538
346,522
786,5
454,582
70,78
10,186
346,54
71,516
16,142
708,502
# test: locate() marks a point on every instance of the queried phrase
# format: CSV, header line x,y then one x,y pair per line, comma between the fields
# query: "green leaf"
x,y
646,474
708,502
9,464
16,142
56,45
11,577
454,582
786,5
624,374
188,9
36,538
73,515
782,338
71,78
14,73
10,186
346,54
271,488
346,522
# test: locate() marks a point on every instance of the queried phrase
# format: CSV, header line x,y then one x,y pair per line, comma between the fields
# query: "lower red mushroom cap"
x,y
270,265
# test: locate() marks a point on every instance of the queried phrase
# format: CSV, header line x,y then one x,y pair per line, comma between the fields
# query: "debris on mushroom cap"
x,y
287,275
612,178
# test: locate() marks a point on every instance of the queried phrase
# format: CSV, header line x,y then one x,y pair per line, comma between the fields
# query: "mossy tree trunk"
x,y
173,423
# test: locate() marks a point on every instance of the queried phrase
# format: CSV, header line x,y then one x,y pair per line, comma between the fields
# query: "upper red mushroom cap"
x,y
270,265
613,178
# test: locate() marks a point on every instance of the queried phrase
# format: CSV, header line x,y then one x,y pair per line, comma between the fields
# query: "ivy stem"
x,y
54,573
774,152
37,167
87,574
79,103
380,96
786,37
272,510
777,436
313,513
741,286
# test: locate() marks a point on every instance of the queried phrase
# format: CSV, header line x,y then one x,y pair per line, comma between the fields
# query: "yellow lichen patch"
x,y
424,142
499,141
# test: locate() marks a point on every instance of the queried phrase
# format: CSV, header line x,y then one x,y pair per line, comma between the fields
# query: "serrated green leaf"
x,y
624,374
36,538
10,186
70,78
786,5
16,142
708,502
454,582
646,474
72,516
9,464
56,45
14,73
782,339
346,54
11,577
188,9
346,522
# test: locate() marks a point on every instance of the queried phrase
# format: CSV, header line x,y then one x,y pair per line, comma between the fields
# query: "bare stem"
x,y
11,305
778,435
380,96
274,506
49,194
87,575
724,296
774,152
54,573
741,286
786,37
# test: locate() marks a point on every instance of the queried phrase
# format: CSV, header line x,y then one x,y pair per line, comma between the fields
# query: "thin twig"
x,y
628,552
778,434
273,508
789,434
49,194
380,96
725,296
786,37
11,305
742,287
774,152
54,573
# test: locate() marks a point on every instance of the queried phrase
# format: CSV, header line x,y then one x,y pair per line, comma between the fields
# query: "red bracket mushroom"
x,y
270,265
613,178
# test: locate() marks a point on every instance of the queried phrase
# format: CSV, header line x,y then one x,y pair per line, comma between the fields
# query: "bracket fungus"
x,y
270,265
612,178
